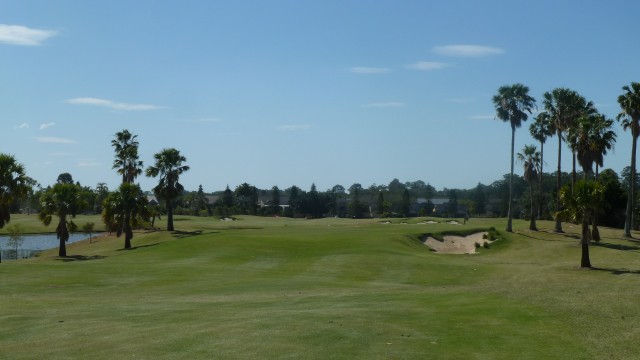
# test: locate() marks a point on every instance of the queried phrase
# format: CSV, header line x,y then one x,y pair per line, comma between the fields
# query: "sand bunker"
x,y
457,244
427,222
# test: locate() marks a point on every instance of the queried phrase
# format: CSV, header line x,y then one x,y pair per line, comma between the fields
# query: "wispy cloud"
x,y
428,65
88,164
368,70
294,127
467,50
24,125
54,140
22,35
482,117
44,126
389,104
111,104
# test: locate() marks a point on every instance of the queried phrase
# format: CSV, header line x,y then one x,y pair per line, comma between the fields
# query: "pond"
x,y
33,244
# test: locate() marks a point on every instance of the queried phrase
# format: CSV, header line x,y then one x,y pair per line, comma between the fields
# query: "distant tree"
x,y
168,167
227,198
406,202
65,178
295,200
630,117
512,103
479,199
453,203
615,195
315,202
337,192
101,193
14,185
65,201
579,205
380,203
530,158
356,207
275,199
126,159
246,198
125,209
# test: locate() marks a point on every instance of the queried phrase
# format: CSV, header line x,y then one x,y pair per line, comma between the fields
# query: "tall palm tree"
x,y
512,103
63,201
579,204
602,140
630,117
168,167
541,129
562,106
574,133
530,158
126,159
123,209
14,184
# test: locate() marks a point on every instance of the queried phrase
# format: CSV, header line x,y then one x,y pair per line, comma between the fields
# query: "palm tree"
x,y
579,204
168,167
126,158
541,129
14,184
630,117
512,103
592,137
574,133
530,158
561,106
63,201
123,209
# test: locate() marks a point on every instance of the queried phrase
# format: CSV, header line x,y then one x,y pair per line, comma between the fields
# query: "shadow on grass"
x,y
530,235
139,247
617,271
80,258
616,246
185,234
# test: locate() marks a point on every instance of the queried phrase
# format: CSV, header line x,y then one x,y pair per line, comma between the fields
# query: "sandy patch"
x,y
453,222
427,222
457,244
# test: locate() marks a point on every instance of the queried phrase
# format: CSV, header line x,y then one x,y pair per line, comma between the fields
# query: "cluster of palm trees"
x,y
123,209
589,135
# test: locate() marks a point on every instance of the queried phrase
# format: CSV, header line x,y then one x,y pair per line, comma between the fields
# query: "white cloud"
x,y
388,104
44,126
54,140
428,65
22,126
22,35
368,70
111,104
467,50
294,127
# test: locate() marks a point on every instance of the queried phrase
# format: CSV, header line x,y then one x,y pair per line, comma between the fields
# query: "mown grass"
x,y
323,289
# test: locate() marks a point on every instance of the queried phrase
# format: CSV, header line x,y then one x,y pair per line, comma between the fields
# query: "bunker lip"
x,y
453,244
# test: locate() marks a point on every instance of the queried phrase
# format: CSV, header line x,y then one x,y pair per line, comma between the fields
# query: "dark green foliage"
x,y
14,185
64,201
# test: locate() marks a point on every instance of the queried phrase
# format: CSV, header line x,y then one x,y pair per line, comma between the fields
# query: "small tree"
x,y
88,228
64,201
16,237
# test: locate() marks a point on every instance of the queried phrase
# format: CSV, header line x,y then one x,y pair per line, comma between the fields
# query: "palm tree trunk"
x,y
509,214
558,227
632,191
128,233
63,236
540,181
584,261
532,224
595,233
169,215
573,171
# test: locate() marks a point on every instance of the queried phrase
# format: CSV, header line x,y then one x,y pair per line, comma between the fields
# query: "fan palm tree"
x,y
168,167
14,184
126,158
541,129
561,106
530,158
124,209
63,201
630,117
512,103
603,139
574,134
579,204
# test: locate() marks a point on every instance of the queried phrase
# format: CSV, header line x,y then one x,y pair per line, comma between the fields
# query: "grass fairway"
x,y
323,289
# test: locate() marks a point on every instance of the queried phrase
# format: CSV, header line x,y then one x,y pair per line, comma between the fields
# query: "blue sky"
x,y
299,92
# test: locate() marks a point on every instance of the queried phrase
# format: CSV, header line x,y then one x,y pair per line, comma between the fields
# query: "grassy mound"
x,y
318,289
